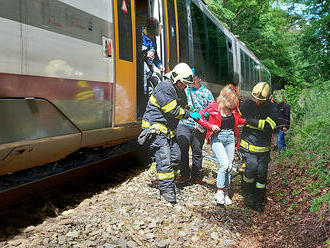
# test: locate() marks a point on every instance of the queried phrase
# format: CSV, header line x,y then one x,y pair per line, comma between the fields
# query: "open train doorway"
x,y
149,15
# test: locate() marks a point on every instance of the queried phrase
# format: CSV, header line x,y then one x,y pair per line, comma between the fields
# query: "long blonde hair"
x,y
228,98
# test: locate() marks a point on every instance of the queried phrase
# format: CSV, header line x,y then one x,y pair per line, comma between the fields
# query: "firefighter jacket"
x,y
215,119
260,124
165,109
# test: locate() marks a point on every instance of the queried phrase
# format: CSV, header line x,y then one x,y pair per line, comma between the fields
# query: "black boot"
x,y
260,198
248,193
169,196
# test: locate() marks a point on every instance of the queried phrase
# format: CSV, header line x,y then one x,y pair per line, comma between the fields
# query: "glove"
x,y
206,116
196,116
191,108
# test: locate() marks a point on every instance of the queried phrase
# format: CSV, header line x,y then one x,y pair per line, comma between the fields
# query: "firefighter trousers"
x,y
255,177
167,155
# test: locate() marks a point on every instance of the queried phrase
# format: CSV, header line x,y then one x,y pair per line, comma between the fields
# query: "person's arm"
x,y
165,99
205,114
261,124
157,61
240,120
269,123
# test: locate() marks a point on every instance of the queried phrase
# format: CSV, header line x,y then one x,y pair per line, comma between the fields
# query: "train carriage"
x,y
70,71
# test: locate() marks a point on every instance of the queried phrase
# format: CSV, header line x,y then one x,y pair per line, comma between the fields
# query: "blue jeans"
x,y
223,146
280,140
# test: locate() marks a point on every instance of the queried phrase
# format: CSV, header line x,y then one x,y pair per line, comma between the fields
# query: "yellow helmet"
x,y
261,91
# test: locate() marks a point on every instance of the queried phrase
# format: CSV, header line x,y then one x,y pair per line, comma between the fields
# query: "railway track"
x,y
18,188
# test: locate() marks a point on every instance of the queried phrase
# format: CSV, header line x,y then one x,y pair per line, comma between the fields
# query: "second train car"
x,y
69,70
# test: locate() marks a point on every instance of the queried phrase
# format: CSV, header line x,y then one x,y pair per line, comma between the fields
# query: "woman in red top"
x,y
222,128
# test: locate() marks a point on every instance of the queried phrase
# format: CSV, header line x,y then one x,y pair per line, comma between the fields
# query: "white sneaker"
x,y
220,197
228,201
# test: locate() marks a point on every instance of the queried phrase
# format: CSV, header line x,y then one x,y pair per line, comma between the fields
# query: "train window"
x,y
230,60
183,31
200,41
229,44
256,74
125,30
250,62
215,58
254,69
223,57
243,82
172,32
247,71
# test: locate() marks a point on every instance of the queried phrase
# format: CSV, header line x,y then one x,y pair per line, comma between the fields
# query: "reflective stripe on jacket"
x,y
260,124
164,107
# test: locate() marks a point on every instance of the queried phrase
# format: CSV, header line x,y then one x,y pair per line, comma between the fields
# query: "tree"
x,y
291,45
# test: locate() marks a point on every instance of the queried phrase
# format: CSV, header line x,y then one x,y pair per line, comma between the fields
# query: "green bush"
x,y
309,137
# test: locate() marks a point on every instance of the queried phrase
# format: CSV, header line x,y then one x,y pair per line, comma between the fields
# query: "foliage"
x,y
309,145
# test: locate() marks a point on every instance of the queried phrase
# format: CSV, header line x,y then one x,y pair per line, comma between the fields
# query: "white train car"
x,y
70,70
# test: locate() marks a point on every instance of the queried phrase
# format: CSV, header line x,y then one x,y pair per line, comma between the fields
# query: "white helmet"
x,y
183,73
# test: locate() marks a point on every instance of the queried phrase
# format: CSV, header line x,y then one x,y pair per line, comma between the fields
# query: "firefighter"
x,y
255,144
163,112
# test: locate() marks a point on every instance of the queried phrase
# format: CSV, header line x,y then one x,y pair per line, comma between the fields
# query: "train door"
x,y
172,33
125,88
144,11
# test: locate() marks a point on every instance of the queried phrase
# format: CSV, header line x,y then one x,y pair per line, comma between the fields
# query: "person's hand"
x,y
215,129
206,115
196,116
161,68
191,108
151,54
196,79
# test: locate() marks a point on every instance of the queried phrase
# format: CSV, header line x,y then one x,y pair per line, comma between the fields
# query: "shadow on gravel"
x,y
52,202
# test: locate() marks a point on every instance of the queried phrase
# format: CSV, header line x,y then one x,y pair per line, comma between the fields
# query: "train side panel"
x,y
57,74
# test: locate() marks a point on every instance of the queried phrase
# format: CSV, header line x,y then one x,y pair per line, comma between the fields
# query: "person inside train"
x,y
255,142
150,56
222,128
159,123
191,134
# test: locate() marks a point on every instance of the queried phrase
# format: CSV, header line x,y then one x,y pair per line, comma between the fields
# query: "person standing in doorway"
x,y
151,59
